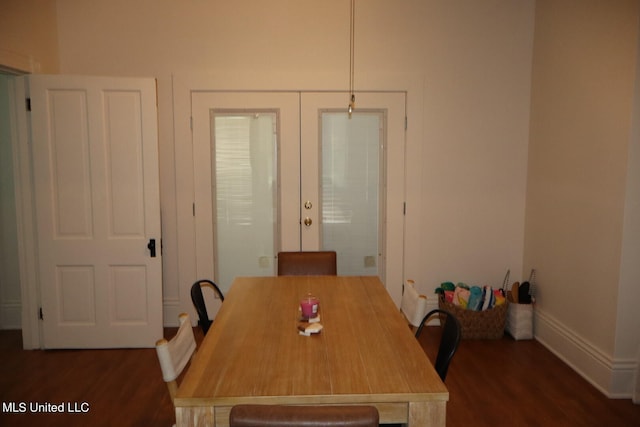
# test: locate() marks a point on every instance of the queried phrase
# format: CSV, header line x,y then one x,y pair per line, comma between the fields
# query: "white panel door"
x,y
96,186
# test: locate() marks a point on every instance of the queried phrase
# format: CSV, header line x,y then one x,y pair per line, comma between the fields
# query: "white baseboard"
x,y
613,377
432,303
11,313
171,311
636,388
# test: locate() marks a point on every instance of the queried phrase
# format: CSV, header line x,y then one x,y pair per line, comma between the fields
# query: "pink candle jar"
x,y
309,306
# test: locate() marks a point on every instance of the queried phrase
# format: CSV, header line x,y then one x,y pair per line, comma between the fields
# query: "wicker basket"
x,y
487,324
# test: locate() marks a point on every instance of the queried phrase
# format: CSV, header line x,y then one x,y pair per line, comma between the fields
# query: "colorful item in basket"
x,y
461,297
446,287
462,285
448,296
488,298
475,298
500,299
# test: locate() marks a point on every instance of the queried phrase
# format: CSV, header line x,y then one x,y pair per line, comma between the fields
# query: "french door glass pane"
x,y
244,194
351,172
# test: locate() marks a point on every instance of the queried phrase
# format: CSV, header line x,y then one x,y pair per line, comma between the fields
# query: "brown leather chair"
x,y
319,263
303,416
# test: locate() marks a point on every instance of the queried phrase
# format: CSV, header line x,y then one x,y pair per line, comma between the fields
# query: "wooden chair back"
x,y
297,416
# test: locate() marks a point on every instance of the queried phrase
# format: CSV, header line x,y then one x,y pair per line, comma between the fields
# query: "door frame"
x,y
20,123
184,83
27,246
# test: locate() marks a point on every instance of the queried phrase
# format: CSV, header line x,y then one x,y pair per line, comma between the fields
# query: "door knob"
x,y
152,247
307,221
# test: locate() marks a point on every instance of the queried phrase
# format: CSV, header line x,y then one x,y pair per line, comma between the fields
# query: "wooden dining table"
x,y
364,354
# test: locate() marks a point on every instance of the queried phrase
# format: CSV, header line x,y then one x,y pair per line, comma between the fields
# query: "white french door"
x,y
352,180
292,171
236,236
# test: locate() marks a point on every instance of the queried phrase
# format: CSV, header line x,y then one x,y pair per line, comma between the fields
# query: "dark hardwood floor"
x,y
491,383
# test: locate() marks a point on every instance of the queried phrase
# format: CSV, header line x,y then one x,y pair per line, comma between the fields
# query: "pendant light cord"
x,y
352,96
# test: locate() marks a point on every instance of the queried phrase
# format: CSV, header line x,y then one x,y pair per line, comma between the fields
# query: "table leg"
x,y
431,413
195,416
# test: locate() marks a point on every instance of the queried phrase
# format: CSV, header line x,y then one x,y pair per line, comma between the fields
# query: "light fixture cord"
x,y
352,96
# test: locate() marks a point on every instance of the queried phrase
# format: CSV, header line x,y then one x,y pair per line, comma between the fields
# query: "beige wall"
x,y
28,43
466,66
28,35
584,71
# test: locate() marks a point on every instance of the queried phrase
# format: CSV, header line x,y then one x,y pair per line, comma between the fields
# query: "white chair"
x,y
413,305
176,353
